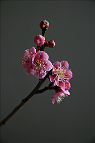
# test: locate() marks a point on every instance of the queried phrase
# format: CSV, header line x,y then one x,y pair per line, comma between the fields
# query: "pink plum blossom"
x,y
61,74
40,65
39,40
60,94
36,63
28,57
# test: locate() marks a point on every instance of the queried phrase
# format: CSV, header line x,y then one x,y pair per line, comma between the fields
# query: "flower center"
x,y
60,73
38,64
59,99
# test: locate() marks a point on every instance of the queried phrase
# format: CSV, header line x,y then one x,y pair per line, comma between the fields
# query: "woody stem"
x,y
43,34
49,87
41,81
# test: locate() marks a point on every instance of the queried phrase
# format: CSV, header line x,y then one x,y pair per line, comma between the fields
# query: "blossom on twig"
x,y
61,74
28,57
36,63
60,94
39,40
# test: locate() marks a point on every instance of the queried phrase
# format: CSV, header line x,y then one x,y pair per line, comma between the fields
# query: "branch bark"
x,y
41,81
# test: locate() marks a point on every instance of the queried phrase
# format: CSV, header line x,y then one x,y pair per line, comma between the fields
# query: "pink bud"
x,y
44,24
46,44
39,40
50,44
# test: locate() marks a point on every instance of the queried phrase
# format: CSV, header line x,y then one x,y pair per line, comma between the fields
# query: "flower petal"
x,y
62,85
64,64
32,50
67,92
30,71
26,62
52,77
41,55
54,97
26,52
67,85
39,73
56,82
47,65
68,74
56,65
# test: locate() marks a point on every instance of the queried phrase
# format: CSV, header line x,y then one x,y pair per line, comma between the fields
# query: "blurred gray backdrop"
x,y
72,29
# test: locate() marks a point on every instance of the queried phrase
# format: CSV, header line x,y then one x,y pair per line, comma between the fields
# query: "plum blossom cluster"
x,y
60,77
36,62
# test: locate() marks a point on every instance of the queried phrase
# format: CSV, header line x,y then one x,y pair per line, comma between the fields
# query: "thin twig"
x,y
46,88
41,81
43,34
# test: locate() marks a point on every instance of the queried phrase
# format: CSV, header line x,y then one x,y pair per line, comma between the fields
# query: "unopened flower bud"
x,y
44,24
50,44
39,40
46,44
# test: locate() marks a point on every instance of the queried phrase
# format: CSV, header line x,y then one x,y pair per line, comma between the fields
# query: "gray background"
x,y
72,28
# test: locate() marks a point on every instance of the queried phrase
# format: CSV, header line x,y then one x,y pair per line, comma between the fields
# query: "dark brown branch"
x,y
41,81
46,88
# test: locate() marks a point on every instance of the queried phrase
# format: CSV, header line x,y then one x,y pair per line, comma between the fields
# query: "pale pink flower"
x,y
39,40
40,65
60,94
44,24
28,57
61,74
